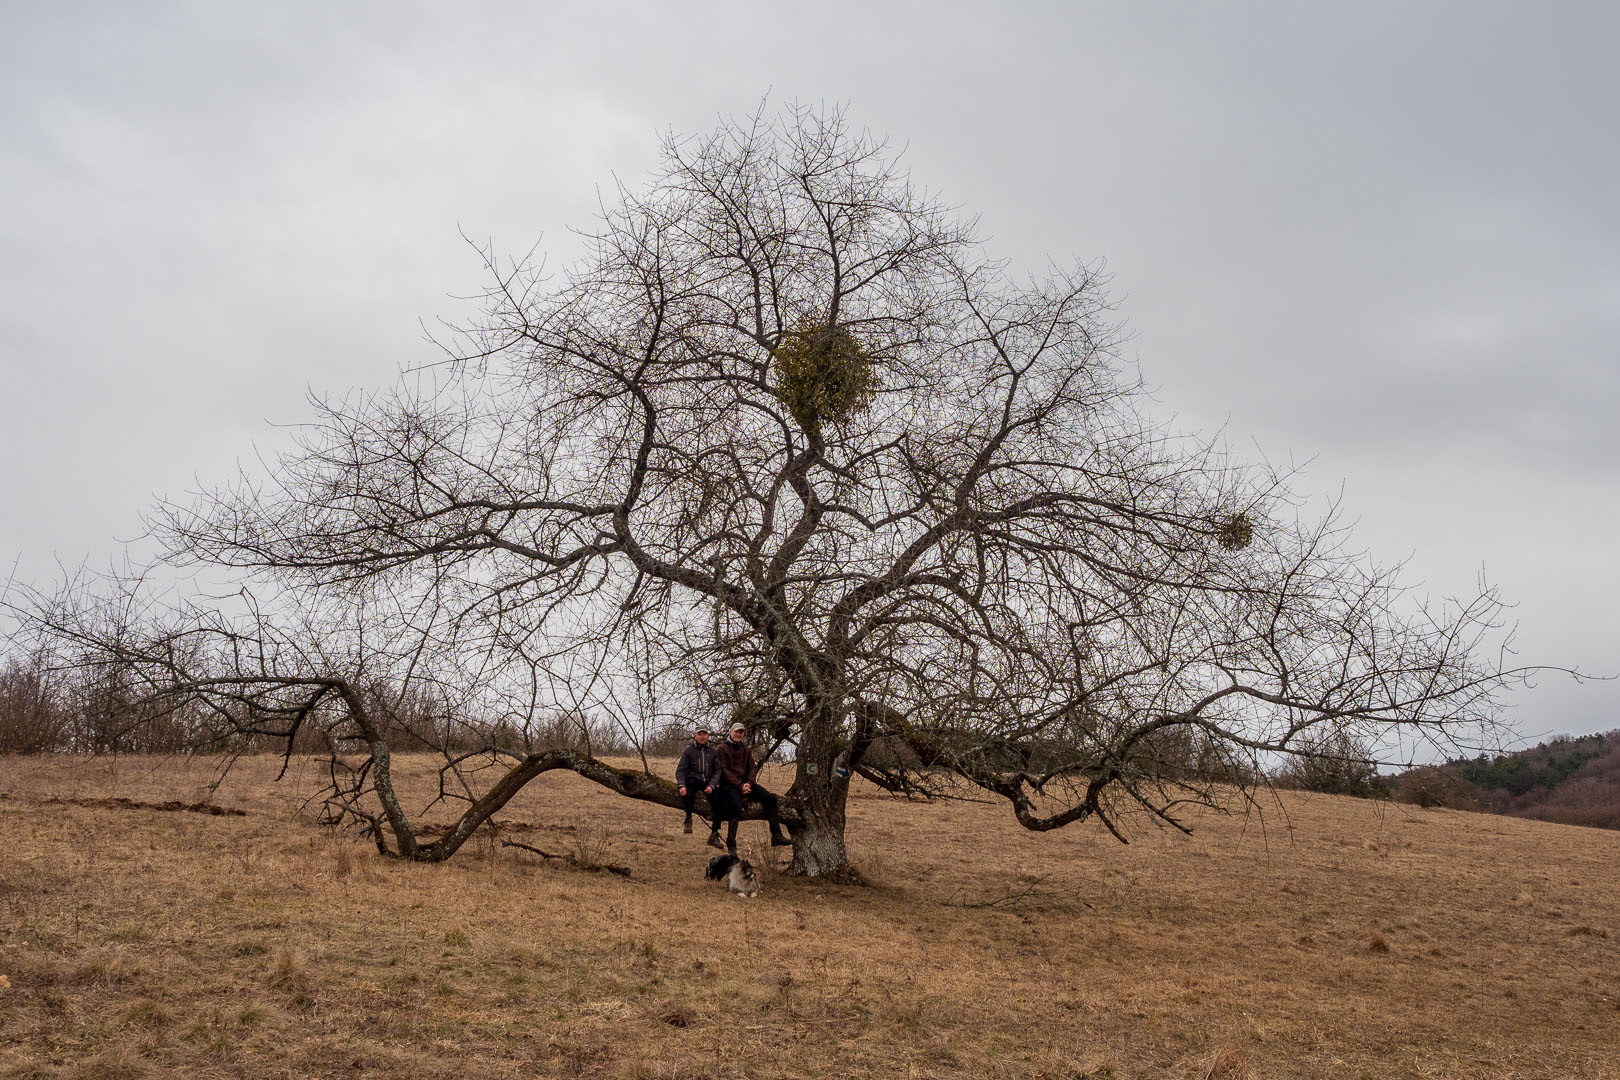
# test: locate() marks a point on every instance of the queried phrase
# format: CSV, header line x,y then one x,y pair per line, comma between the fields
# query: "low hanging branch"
x,y
629,783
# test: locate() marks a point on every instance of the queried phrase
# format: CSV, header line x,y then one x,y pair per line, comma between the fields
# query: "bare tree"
x,y
787,446
33,717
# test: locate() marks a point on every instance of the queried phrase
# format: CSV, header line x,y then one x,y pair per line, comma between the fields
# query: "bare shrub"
x,y
1431,787
1332,763
32,717
593,846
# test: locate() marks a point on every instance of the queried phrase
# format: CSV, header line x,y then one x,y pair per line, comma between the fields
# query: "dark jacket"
x,y
699,766
737,763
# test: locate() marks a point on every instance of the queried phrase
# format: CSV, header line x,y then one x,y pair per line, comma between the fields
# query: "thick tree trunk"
x,y
818,844
819,793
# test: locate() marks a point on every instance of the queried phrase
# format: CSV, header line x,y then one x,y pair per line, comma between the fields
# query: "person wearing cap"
x,y
699,768
738,774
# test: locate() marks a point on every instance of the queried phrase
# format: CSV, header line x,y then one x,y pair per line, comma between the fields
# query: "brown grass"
x,y
141,942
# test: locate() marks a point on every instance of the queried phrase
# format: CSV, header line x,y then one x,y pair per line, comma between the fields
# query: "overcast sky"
x,y
1380,239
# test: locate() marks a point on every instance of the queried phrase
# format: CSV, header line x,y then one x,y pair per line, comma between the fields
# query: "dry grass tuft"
x,y
106,968
1378,943
343,860
289,975
593,847
287,968
114,1063
642,1069
1226,1063
252,1015
351,860
146,1013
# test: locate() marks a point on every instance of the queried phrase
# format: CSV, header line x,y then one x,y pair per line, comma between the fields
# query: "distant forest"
x,y
1571,780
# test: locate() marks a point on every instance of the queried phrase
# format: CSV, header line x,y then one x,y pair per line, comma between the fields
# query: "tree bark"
x,y
381,773
819,793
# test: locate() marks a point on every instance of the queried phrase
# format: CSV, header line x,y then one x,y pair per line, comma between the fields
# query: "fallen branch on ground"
x,y
571,860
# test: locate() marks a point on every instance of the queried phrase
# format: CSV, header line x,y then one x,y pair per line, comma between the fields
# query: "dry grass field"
x,y
1330,938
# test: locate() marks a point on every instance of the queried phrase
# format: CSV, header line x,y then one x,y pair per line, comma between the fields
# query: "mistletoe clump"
x,y
823,373
1235,532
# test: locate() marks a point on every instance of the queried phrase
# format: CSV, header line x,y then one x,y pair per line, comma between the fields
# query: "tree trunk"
x,y
820,791
818,845
381,774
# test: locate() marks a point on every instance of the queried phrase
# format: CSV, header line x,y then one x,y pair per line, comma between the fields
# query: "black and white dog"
x,y
738,874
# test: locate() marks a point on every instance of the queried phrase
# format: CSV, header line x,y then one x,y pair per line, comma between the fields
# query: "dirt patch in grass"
x,y
1331,938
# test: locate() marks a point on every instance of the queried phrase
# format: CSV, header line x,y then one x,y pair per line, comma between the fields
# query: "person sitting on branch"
x,y
699,767
738,781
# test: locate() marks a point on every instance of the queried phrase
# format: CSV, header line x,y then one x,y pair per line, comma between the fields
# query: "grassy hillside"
x,y
1571,780
1332,937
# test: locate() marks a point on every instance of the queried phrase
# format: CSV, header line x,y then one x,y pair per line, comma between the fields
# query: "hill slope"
x,y
1570,780
1330,937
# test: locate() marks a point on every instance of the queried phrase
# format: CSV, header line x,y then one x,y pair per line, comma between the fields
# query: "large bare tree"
x,y
786,446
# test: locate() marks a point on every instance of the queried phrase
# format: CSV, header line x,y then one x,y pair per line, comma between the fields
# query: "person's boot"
x,y
778,840
714,841
687,828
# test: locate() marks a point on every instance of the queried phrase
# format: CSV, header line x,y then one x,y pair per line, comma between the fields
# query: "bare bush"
x,y
1429,786
33,717
1333,763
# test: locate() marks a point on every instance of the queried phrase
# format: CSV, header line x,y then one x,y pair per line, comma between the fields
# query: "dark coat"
x,y
737,763
699,767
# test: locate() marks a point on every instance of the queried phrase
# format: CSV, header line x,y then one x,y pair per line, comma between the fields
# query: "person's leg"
x,y
733,815
716,801
686,801
727,805
769,803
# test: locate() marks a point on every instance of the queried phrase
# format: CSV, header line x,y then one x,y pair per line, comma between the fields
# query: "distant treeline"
x,y
1573,780
46,708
